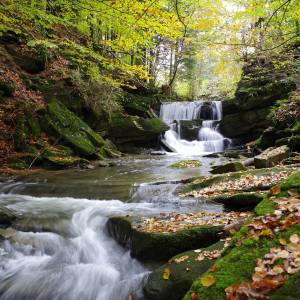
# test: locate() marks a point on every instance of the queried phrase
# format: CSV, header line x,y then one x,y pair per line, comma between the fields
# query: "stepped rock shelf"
x,y
162,237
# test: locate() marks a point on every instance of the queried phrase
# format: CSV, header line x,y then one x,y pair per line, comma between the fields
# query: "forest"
x,y
149,149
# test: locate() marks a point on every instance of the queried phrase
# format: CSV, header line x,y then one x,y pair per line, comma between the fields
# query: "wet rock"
x,y
271,157
248,162
206,112
136,131
229,167
182,275
7,217
189,129
242,201
158,153
159,246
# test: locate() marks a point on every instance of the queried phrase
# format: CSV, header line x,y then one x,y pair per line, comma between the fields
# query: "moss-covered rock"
x,y
63,157
266,206
271,157
182,275
72,130
186,164
158,246
229,167
189,129
240,201
134,130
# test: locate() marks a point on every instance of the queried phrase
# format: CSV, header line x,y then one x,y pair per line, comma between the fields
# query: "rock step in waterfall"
x,y
193,127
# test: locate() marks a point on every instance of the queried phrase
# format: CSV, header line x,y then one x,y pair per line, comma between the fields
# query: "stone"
x,y
229,167
271,157
136,131
72,130
182,275
159,246
189,129
63,157
206,112
7,217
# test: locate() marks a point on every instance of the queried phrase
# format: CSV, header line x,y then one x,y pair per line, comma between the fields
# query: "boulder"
x,y
229,167
62,157
271,135
229,107
136,131
65,125
159,246
271,157
184,269
7,217
189,129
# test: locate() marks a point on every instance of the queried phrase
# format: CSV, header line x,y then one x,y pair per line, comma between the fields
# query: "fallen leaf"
x,y
166,274
294,238
207,280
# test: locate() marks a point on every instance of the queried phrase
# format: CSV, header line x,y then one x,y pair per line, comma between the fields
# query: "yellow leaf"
x,y
275,190
207,280
282,242
294,246
166,274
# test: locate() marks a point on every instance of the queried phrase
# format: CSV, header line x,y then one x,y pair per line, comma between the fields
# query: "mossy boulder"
x,y
186,164
271,157
7,217
134,130
66,126
159,246
229,167
182,275
240,201
62,157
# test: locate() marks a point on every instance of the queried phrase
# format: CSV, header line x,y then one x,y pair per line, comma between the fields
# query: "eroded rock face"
x,y
265,81
271,157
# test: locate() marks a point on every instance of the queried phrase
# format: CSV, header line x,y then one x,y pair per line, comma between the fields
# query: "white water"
x,y
209,139
79,262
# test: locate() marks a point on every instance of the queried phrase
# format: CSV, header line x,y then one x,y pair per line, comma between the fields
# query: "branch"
x,y
275,11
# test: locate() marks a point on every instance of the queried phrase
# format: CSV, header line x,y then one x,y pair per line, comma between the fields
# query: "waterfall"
x,y
193,127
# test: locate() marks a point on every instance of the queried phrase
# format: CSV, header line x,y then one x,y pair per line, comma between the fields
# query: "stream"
x,y
61,249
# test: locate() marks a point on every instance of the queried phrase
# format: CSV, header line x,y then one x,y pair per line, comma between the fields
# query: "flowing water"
x,y
60,249
208,139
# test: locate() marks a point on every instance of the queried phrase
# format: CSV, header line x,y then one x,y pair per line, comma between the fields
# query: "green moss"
x,y
237,266
186,164
266,206
292,182
73,130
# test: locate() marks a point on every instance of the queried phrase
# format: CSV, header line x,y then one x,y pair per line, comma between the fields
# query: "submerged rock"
x,y
7,217
158,246
184,268
271,157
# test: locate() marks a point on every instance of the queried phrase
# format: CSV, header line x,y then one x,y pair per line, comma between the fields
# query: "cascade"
x,y
193,127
